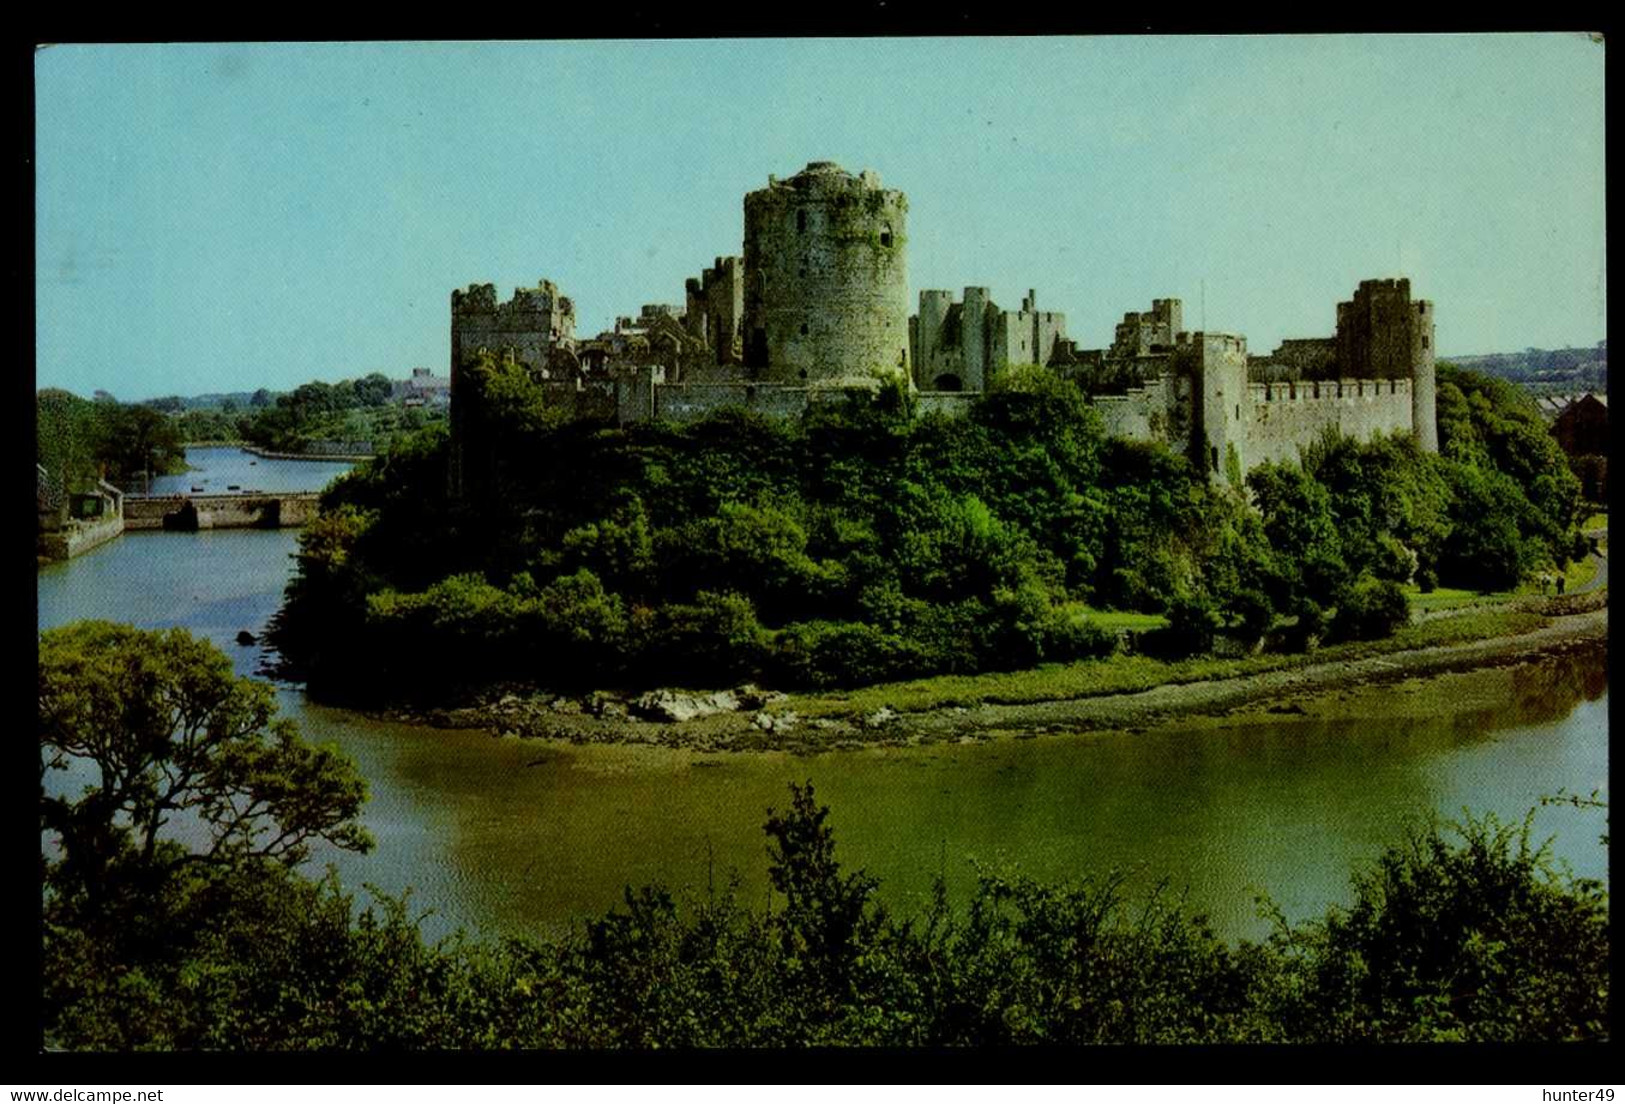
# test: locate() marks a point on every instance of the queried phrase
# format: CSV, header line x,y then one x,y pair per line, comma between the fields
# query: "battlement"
x,y
1397,286
827,182
478,299
1217,342
1323,390
481,299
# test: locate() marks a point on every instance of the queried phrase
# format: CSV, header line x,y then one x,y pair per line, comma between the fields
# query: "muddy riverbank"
x,y
749,719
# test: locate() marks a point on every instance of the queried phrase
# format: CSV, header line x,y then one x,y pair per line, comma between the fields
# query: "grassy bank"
x,y
1123,674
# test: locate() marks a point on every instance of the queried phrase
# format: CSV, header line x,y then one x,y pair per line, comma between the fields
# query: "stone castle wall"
x,y
818,304
1287,416
826,278
1148,413
531,324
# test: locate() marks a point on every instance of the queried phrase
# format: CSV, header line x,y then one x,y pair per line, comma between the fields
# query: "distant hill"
x,y
1545,371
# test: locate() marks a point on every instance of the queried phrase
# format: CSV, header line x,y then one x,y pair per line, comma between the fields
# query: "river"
x,y
499,834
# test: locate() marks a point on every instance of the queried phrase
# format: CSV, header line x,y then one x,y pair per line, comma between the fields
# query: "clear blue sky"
x,y
225,217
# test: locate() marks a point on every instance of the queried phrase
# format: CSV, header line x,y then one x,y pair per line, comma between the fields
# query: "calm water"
x,y
504,834
216,469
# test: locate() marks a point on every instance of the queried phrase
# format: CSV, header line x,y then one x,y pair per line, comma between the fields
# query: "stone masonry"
x,y
826,279
817,304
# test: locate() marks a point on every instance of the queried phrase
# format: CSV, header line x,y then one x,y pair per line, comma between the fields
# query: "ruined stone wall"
x,y
826,278
1424,420
75,537
1299,357
1139,334
935,340
529,327
1285,417
531,324
952,404
1010,338
969,342
973,338
689,402
634,390
1148,413
722,300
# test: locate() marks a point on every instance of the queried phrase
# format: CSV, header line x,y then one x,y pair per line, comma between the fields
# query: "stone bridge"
x,y
240,510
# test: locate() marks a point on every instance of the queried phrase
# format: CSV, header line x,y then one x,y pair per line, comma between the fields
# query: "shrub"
x,y
823,654
1462,933
1192,625
1370,609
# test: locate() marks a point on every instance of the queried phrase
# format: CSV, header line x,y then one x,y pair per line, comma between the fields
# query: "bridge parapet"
x,y
241,510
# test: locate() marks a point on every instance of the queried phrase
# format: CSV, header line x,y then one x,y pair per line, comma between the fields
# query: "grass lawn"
x,y
1595,521
1442,598
1576,574
1116,620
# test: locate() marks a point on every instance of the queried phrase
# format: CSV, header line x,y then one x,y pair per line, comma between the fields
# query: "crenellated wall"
x,y
1288,416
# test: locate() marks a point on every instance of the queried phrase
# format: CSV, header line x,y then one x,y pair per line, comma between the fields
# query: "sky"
x,y
224,217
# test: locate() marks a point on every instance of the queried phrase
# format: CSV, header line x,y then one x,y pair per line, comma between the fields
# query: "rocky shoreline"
x,y
748,718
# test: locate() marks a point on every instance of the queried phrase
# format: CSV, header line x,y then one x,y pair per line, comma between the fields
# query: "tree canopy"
x,y
170,738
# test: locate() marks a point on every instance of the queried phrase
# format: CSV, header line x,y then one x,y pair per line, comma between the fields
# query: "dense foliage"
x,y
350,410
78,440
862,543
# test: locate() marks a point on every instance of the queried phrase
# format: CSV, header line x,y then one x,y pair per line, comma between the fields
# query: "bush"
x,y
1308,628
1462,933
714,641
823,654
1369,610
1458,934
1252,614
1192,625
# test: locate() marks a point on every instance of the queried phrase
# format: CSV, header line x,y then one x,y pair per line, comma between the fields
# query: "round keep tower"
x,y
826,279
1423,377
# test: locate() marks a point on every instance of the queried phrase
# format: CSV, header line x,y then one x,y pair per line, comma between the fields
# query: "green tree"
x,y
373,389
174,737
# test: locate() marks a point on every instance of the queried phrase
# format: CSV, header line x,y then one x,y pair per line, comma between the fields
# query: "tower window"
x,y
1424,341
885,238
801,221
804,329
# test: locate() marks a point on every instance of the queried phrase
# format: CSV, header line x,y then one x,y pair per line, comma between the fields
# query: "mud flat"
x,y
750,719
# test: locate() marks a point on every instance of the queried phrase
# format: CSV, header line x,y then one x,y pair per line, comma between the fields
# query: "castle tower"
x,y
1423,385
975,338
826,278
934,306
528,327
1383,334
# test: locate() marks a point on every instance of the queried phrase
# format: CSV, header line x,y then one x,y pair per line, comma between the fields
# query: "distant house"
x,y
1581,429
1582,426
424,388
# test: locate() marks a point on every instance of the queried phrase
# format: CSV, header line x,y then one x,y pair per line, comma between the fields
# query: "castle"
x,y
818,305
